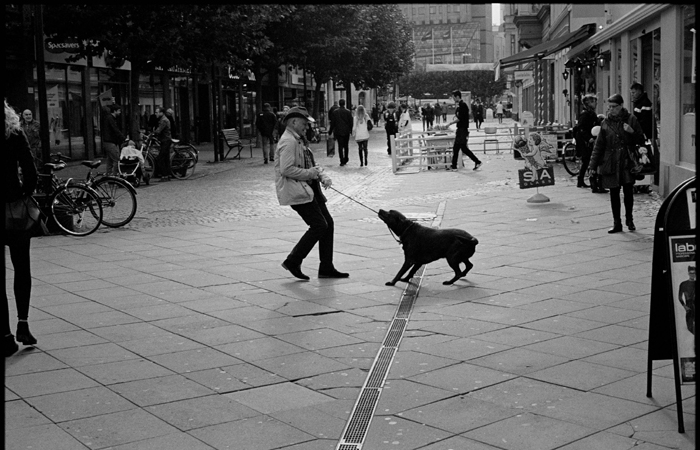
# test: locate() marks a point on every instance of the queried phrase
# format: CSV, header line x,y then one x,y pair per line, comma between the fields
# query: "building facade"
x,y
450,33
564,51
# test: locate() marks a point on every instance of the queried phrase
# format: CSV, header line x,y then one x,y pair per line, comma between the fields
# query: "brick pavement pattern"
x,y
181,331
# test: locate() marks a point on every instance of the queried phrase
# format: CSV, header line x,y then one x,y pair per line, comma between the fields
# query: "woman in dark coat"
x,y
16,153
619,131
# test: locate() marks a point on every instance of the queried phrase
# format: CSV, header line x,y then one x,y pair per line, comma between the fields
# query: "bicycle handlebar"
x,y
58,157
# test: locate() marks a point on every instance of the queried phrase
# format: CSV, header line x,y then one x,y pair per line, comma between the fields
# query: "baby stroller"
x,y
131,167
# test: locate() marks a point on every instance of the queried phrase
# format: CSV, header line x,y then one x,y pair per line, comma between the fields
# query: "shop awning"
x,y
547,48
582,48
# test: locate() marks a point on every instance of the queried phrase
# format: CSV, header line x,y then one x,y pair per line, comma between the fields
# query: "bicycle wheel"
x,y
189,147
118,201
182,164
76,209
149,167
572,163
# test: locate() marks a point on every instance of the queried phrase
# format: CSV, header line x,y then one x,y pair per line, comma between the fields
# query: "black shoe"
x,y
630,225
265,162
24,335
295,269
9,346
615,229
582,184
332,273
477,165
272,159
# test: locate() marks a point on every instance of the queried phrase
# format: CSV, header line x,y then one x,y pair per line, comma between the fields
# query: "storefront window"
x,y
687,152
57,107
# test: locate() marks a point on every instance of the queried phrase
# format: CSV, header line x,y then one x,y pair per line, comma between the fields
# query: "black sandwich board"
x,y
672,309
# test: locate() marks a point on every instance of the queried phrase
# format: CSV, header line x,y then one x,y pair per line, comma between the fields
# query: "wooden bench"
x,y
233,141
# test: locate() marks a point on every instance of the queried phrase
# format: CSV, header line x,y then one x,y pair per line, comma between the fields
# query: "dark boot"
x,y
617,227
630,224
328,271
615,207
295,269
23,334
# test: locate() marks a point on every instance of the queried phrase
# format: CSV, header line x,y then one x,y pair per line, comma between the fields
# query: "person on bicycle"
x,y
584,139
162,132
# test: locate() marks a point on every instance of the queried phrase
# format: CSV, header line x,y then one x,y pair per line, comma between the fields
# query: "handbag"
x,y
22,214
369,125
643,159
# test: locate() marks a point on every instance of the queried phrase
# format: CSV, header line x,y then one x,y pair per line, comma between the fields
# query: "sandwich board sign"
x,y
672,307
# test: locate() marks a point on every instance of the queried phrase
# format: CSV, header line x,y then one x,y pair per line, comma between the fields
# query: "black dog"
x,y
423,245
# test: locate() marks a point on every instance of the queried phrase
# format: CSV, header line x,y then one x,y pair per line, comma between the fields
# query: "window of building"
x,y
432,10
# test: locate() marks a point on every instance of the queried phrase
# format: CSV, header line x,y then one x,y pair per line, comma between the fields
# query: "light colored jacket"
x,y
290,175
404,122
359,128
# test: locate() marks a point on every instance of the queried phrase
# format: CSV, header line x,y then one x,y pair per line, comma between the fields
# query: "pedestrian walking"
x,y
478,114
438,112
265,124
619,131
361,133
444,112
424,116
330,151
462,134
17,153
391,121
112,139
499,112
429,115
585,140
298,182
162,132
404,119
341,128
32,129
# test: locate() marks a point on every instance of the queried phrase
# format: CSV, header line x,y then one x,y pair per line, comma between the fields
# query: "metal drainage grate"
x,y
361,416
395,332
381,367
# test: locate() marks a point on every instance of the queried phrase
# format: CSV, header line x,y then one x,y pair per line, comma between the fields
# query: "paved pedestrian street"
x,y
181,331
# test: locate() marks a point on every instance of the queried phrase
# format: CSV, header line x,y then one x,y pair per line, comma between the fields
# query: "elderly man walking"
x,y
298,182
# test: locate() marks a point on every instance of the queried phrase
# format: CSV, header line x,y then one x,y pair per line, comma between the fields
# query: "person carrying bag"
x,y
21,214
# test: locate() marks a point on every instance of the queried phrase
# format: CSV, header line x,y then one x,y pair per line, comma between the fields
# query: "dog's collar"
x,y
402,233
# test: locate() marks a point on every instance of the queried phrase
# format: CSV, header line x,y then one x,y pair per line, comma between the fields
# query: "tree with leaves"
x,y
153,35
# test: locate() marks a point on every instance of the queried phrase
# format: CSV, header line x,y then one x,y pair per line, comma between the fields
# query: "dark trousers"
x,y
585,160
163,161
362,149
628,190
316,216
19,254
478,121
343,148
461,145
389,134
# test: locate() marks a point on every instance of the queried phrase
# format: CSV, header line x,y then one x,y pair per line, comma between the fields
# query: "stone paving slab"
x,y
182,331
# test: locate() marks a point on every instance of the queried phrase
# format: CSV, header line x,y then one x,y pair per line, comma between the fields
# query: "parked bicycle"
x,y
75,208
183,157
117,196
569,158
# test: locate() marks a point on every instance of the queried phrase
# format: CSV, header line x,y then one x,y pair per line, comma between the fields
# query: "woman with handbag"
x,y
619,133
17,192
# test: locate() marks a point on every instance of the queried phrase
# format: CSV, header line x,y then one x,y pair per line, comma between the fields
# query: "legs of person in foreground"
x,y
628,191
19,254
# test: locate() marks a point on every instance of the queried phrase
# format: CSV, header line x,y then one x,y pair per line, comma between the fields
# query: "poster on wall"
x,y
683,274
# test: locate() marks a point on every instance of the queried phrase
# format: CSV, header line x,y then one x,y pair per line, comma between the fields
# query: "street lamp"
x,y
565,74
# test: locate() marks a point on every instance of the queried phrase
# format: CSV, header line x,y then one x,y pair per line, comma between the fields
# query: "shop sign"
x,y
297,79
65,46
537,178
338,85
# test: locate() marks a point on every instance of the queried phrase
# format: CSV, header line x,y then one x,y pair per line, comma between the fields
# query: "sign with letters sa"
x,y
538,178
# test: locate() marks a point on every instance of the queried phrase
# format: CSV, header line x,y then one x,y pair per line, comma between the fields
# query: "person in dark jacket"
x,y
478,114
391,124
584,139
266,123
112,138
644,112
17,154
619,131
462,134
165,138
31,129
341,128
